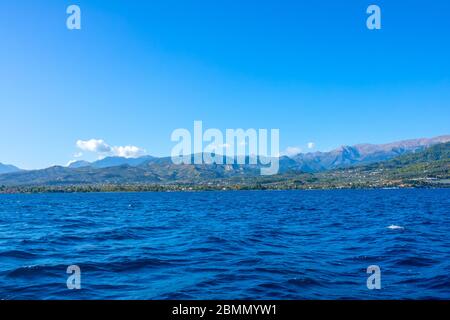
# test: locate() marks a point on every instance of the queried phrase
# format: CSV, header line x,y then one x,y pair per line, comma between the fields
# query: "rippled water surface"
x,y
226,245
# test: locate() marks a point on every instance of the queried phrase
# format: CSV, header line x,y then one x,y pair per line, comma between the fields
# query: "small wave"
x,y
439,282
27,271
304,282
17,254
395,227
415,262
129,264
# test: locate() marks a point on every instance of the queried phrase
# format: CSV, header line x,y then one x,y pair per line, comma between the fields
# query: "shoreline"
x,y
198,188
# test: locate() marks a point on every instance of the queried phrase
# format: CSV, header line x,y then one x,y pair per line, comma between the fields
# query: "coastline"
x,y
200,188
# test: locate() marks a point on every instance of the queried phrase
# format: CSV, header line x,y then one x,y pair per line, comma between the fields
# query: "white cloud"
x,y
103,149
78,155
94,145
311,145
128,151
292,151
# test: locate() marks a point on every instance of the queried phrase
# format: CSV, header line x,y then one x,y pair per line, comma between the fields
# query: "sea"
x,y
314,244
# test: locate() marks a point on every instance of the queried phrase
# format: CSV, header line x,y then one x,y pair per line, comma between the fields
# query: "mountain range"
x,y
362,154
152,170
307,162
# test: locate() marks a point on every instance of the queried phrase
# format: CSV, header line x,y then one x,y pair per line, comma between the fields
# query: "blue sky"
x,y
136,71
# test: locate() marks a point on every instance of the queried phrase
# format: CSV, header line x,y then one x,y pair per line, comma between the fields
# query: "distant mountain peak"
x,y
112,161
119,161
79,164
8,168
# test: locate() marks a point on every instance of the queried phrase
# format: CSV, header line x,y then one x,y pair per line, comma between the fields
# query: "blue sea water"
x,y
227,245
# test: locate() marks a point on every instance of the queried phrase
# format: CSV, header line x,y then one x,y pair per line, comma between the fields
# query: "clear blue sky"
x,y
137,71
